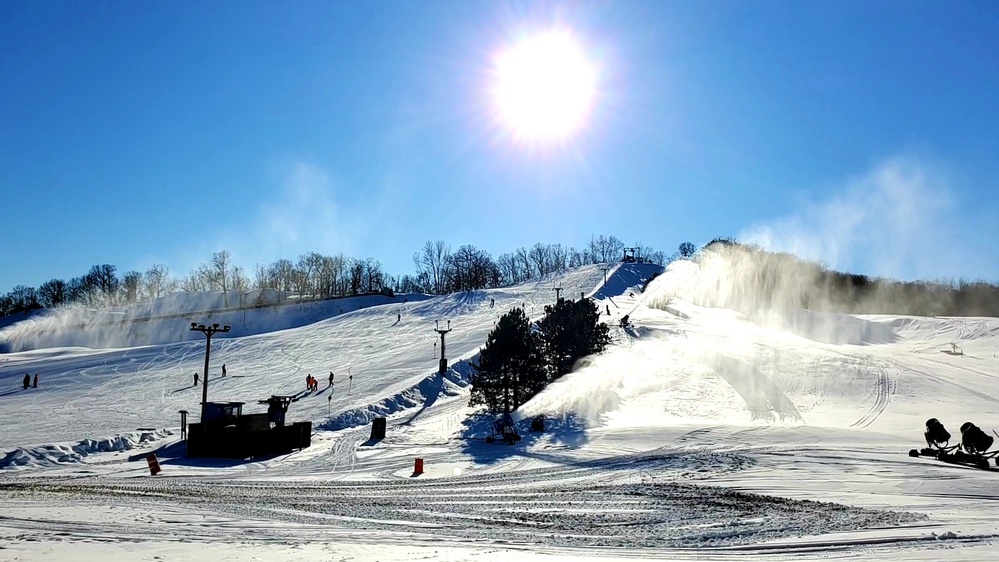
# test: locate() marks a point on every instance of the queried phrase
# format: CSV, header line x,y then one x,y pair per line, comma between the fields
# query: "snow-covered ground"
x,y
700,434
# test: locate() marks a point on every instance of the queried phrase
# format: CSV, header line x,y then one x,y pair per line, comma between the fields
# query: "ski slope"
x,y
700,434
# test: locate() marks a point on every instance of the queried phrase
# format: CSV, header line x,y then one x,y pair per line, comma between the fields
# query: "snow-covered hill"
x,y
701,433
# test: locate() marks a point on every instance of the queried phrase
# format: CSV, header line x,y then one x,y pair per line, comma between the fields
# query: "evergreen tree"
x,y
510,369
571,330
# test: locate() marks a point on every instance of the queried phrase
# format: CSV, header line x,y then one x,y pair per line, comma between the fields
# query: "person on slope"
x,y
195,378
35,384
223,370
308,381
331,379
27,381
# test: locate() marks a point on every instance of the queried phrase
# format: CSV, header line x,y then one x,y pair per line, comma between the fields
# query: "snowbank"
x,y
425,393
62,453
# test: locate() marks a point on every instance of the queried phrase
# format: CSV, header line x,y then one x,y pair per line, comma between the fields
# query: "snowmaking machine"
x,y
506,429
971,451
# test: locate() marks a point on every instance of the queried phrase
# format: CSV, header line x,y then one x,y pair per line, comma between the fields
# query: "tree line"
x,y
438,270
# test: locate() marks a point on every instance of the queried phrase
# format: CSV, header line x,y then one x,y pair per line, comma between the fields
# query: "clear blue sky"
x,y
865,134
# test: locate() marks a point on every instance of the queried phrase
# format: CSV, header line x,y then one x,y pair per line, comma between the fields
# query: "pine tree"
x,y
510,368
571,330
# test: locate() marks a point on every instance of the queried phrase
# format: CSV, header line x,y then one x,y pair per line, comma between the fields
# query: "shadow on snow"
x,y
568,431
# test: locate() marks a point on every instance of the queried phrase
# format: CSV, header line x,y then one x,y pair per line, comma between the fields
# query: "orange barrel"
x,y
154,465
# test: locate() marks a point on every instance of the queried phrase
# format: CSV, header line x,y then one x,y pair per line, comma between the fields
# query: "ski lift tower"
x,y
443,364
558,293
629,255
208,331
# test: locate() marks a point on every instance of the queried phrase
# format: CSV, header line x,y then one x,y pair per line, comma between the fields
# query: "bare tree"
x,y
408,284
261,277
509,269
524,261
470,268
52,293
540,256
308,269
325,277
559,256
240,284
341,264
373,275
278,275
131,286
687,250
432,259
82,290
594,249
219,273
156,281
356,276
196,282
614,248
105,279
23,298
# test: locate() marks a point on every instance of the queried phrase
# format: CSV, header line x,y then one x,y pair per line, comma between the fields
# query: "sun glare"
x,y
544,87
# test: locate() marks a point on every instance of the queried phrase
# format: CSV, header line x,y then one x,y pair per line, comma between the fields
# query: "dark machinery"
x,y
229,434
505,429
971,451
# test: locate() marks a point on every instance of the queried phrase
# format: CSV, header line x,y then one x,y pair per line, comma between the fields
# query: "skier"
x,y
36,381
398,318
223,370
27,381
195,379
331,379
608,310
492,303
308,381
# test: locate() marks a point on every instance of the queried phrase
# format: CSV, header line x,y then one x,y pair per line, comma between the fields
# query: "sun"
x,y
544,87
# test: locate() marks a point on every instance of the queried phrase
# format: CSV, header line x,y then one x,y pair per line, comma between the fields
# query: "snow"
x,y
711,428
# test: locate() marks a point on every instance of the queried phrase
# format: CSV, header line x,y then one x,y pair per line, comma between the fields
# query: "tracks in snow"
x,y
885,389
628,501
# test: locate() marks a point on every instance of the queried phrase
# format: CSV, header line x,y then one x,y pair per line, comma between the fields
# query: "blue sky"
x,y
864,134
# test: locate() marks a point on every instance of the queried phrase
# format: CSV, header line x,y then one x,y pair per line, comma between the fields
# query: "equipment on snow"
x,y
226,432
972,450
506,429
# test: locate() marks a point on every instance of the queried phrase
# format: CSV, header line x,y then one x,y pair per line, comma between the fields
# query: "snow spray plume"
x,y
895,221
653,381
158,321
781,291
